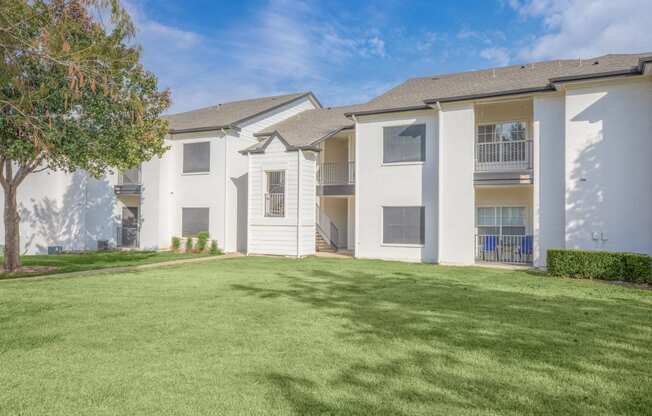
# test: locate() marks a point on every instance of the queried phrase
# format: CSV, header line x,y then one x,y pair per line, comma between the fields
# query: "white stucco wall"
x,y
608,173
456,192
406,184
548,176
72,210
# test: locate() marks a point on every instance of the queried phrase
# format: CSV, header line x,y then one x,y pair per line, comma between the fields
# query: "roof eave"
x,y
387,110
496,94
598,75
202,129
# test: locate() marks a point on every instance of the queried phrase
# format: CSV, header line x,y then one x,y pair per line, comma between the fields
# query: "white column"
x,y
456,191
548,211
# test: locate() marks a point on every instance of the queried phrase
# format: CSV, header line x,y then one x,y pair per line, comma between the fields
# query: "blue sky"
x,y
348,51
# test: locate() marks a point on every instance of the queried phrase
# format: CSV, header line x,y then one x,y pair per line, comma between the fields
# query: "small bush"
x,y
176,243
215,250
189,245
585,264
202,241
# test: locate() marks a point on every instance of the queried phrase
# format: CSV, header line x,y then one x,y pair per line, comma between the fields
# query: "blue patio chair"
x,y
526,245
490,243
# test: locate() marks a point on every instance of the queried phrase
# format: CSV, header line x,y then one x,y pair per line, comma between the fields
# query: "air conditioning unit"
x,y
102,245
53,250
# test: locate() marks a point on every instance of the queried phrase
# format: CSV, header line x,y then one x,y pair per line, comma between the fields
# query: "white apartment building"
x,y
496,165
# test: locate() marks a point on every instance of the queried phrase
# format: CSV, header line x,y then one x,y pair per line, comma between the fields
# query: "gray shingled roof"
x,y
310,126
450,87
229,114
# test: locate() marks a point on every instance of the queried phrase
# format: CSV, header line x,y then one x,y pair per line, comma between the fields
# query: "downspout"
x,y
298,199
226,182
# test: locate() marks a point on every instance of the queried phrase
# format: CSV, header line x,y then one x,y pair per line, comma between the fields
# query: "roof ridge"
x,y
218,105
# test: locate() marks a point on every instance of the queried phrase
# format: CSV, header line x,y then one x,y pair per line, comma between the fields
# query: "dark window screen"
x,y
403,225
404,143
196,157
193,221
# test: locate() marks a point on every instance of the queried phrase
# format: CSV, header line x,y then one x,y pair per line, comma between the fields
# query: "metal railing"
x,y
336,173
275,205
504,248
506,155
127,236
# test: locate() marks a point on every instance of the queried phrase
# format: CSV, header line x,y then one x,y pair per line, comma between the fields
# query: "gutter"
x,y
207,128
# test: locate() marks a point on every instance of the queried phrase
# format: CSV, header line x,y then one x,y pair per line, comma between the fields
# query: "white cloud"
x,y
497,56
586,28
286,46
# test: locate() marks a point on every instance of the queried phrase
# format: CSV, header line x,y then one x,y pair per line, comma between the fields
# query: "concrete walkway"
x,y
122,268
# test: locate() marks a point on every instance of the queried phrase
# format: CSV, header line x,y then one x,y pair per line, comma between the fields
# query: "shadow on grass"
x,y
456,346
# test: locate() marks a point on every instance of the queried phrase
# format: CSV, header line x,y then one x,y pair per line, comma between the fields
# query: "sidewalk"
x,y
123,268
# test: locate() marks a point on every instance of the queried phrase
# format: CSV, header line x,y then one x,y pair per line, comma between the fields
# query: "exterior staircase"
x,y
322,244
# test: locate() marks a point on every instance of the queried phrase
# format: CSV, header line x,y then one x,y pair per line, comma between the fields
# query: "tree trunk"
x,y
12,231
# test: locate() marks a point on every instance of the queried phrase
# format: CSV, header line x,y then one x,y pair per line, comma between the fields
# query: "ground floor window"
x,y
194,221
501,220
404,225
275,195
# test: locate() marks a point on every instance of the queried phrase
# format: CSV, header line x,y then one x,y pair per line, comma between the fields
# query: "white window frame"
x,y
499,216
407,162
266,173
382,227
210,161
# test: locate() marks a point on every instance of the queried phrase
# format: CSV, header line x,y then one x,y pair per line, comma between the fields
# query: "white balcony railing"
x,y
506,155
504,248
334,173
275,205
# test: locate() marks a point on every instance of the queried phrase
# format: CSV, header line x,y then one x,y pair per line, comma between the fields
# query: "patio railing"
x,y
504,248
507,155
336,173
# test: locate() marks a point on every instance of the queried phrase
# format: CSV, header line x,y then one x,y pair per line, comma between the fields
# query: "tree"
x,y
73,95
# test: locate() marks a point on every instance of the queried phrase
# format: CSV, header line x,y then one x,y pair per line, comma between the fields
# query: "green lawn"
x,y
64,263
257,335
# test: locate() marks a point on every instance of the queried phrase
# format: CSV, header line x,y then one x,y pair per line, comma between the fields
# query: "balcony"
x,y
336,178
513,249
503,162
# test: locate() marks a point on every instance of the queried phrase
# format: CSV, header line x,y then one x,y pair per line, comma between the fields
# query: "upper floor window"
x,y
197,157
502,132
129,176
404,143
275,195
404,225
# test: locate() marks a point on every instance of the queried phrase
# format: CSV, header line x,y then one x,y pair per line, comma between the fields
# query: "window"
x,y
197,157
404,143
275,196
501,220
404,225
193,221
502,132
130,177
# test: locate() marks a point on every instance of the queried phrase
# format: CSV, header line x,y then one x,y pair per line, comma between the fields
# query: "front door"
x,y
129,229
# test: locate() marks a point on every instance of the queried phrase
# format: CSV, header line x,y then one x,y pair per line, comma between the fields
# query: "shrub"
x,y
202,241
215,250
189,245
584,264
176,243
